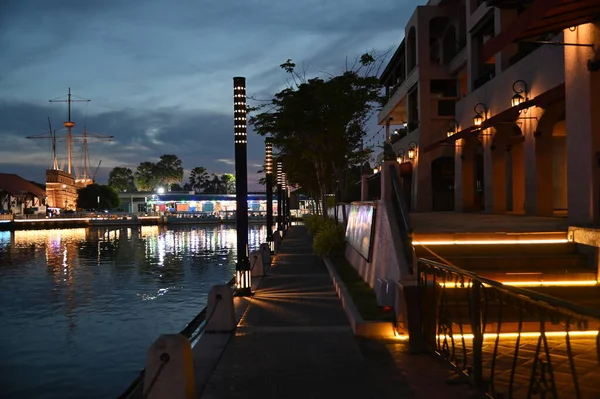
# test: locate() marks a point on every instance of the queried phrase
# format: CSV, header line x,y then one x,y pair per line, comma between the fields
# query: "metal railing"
x,y
509,342
191,331
403,218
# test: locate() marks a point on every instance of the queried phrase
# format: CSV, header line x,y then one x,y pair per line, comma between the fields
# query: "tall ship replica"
x,y
62,183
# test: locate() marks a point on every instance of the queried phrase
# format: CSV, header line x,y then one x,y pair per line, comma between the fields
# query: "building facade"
x,y
520,78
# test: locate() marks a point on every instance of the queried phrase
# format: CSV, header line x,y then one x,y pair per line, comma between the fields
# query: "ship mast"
x,y
69,124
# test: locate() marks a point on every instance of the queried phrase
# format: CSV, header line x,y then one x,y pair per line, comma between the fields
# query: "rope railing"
x,y
508,341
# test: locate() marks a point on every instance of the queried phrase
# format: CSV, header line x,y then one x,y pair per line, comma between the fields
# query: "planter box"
x,y
360,327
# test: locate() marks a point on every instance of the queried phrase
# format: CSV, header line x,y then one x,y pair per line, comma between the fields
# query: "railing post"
x,y
477,331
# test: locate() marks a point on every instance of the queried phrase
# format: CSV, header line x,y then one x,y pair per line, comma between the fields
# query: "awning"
x,y
541,17
508,115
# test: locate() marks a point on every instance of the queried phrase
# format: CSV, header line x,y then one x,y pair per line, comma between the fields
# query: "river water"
x,y
80,307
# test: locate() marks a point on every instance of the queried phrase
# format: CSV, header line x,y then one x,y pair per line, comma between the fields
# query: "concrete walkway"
x,y
294,341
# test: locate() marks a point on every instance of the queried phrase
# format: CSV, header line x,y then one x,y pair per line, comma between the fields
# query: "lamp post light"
x,y
279,196
452,128
284,202
242,267
480,113
400,156
412,150
269,188
519,87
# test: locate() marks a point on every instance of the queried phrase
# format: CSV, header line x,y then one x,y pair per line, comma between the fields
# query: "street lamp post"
x,y
242,267
284,202
269,188
279,196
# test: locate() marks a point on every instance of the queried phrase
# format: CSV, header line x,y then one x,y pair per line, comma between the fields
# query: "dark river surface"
x,y
80,307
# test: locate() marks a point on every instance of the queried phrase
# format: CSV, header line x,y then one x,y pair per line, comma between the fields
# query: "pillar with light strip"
x,y
279,197
284,201
242,268
269,189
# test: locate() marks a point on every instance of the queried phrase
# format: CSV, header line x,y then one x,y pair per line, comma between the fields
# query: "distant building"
x,y
142,202
19,196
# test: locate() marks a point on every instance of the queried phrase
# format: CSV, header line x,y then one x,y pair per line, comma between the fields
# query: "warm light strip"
x,y
51,220
589,333
558,283
493,242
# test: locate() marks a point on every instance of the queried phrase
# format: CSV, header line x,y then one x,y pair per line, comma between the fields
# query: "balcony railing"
x,y
486,76
506,341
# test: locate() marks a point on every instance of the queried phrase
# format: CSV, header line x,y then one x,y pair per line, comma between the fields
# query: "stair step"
x,y
504,277
516,262
498,249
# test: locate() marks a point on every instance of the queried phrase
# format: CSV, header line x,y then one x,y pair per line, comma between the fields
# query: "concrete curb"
x,y
360,327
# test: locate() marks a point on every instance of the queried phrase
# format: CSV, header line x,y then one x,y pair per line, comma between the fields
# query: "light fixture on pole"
x,y
412,150
400,155
269,189
480,113
452,128
519,87
242,268
279,196
284,202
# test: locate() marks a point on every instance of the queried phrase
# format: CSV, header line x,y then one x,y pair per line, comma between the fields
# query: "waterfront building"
x,y
218,204
20,196
496,99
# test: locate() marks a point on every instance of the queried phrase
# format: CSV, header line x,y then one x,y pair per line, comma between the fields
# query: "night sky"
x,y
159,72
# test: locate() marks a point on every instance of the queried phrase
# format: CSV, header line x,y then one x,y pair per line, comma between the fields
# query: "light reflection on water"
x,y
79,307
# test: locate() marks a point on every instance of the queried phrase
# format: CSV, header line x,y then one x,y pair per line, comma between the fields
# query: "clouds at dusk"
x,y
159,73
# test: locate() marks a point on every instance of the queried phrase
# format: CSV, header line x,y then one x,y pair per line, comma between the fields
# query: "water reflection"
x,y
75,300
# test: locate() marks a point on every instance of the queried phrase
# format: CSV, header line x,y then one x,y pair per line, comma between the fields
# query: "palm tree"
x,y
198,178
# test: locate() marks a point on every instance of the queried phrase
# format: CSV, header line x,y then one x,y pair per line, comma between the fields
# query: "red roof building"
x,y
18,194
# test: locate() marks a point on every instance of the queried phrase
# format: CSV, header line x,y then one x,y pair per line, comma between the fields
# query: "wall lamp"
x,y
400,155
519,87
412,147
452,128
480,112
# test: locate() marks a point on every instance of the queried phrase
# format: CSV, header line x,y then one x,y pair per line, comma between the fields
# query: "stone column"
x,y
499,179
537,151
518,178
458,176
488,171
582,96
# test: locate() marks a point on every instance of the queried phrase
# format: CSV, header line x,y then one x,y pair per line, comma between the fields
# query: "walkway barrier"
x,y
506,341
220,305
256,264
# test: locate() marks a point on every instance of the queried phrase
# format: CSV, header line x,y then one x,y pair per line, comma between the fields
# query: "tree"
x,y
227,183
87,197
121,179
169,169
175,187
198,178
317,125
145,176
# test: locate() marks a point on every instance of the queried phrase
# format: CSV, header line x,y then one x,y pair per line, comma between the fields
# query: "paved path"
x,y
294,341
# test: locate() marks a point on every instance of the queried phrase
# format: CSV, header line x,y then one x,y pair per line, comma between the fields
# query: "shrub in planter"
x,y
329,239
313,223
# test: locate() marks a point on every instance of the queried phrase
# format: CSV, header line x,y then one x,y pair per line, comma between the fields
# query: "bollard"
x,y
169,369
220,314
266,254
256,264
277,240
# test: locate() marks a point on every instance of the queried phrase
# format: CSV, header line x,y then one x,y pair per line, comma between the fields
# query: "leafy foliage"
x,y
330,239
88,197
198,178
121,179
317,125
313,223
169,169
145,177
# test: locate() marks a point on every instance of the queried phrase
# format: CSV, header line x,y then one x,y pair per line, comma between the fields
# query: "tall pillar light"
x,y
284,203
242,267
279,197
269,189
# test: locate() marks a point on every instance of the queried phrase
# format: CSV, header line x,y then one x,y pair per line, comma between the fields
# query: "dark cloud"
x,y
159,72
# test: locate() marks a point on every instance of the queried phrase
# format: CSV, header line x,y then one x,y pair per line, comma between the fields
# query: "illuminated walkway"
x,y
294,341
